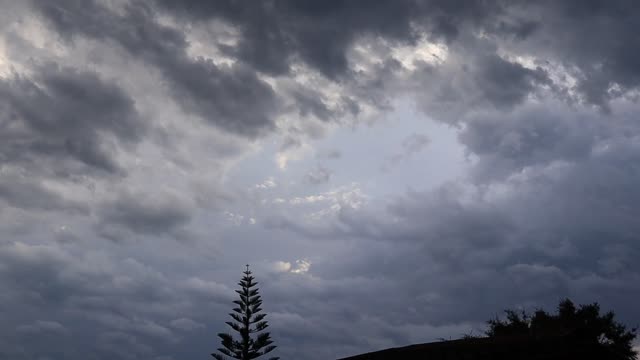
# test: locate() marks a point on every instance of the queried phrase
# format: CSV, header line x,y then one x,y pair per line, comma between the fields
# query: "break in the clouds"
x,y
416,154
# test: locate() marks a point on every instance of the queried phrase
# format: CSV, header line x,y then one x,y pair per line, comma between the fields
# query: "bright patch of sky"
x,y
364,168
406,150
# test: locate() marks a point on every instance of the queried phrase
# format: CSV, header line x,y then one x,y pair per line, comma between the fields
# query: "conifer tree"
x,y
247,320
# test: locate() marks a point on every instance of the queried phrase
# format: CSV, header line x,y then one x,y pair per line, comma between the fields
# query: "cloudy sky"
x,y
395,171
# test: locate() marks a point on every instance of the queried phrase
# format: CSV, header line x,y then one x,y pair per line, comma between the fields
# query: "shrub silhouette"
x,y
247,320
583,323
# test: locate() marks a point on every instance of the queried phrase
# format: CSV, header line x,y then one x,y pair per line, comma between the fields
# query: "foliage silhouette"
x,y
247,320
583,323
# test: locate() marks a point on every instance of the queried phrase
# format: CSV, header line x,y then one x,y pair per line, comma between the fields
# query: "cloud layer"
x,y
395,172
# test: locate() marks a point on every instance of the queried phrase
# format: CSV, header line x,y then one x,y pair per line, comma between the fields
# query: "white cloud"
x,y
267,184
282,266
302,266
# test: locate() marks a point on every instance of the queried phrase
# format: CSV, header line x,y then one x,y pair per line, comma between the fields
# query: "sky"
x,y
395,172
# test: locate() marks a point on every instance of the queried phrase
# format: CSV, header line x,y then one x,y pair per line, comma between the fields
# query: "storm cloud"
x,y
65,114
378,164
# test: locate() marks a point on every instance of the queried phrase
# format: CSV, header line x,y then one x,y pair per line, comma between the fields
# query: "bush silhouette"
x,y
583,323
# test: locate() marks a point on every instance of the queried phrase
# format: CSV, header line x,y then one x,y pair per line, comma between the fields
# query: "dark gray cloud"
x,y
229,96
186,324
275,33
532,135
63,114
592,37
155,214
311,102
475,79
41,326
505,83
24,193
64,305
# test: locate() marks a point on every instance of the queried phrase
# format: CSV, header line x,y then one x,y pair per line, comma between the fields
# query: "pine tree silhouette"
x,y
247,321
